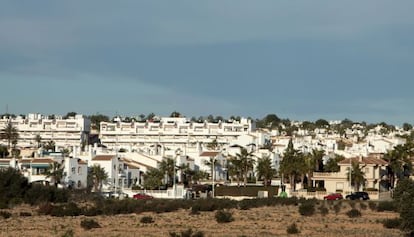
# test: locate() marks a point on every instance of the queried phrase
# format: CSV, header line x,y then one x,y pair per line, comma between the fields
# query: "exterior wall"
x,y
76,173
170,131
64,132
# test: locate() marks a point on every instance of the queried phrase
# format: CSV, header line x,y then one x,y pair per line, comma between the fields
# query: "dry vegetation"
x,y
263,221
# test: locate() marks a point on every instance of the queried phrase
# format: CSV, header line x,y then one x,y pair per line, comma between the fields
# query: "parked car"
x,y
142,196
358,196
333,196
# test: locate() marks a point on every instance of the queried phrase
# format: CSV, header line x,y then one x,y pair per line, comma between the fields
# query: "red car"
x,y
142,196
333,196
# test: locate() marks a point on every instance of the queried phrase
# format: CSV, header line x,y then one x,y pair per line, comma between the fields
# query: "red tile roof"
x,y
103,157
209,153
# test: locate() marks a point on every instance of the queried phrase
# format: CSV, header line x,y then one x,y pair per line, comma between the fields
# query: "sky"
x,y
302,60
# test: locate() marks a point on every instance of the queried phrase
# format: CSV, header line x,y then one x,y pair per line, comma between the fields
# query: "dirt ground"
x,y
265,221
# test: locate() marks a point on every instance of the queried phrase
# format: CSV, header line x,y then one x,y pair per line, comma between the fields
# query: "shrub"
x,y
88,224
25,214
5,214
195,210
187,233
386,206
363,206
392,223
337,208
323,210
68,233
353,213
292,229
223,216
307,208
372,205
147,220
45,209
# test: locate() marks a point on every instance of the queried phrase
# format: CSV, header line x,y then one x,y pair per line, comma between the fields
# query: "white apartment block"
x,y
191,137
72,131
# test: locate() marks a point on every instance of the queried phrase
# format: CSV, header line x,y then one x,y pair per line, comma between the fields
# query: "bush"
x,y
386,206
323,210
187,233
363,206
292,229
392,223
88,224
307,208
223,216
25,214
147,220
337,208
68,233
372,205
5,214
353,213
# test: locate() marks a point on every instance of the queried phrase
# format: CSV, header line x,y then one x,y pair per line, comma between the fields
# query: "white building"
x,y
191,137
72,131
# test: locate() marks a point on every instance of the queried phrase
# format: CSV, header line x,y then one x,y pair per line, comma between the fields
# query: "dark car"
x,y
142,196
333,196
358,196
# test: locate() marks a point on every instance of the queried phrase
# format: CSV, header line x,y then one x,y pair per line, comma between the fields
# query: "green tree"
x,y
213,145
50,146
99,176
322,123
292,165
245,163
4,152
234,169
213,164
69,114
399,163
55,173
38,140
153,178
407,127
264,170
175,114
167,167
332,164
13,185
96,120
357,175
9,133
404,196
313,162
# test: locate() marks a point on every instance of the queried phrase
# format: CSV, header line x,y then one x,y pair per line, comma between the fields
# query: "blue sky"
x,y
301,60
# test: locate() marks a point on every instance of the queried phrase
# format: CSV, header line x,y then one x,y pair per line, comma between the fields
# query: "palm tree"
x,y
246,163
313,162
264,169
50,145
99,176
213,164
9,133
153,178
55,173
399,164
357,175
293,164
38,140
167,167
234,169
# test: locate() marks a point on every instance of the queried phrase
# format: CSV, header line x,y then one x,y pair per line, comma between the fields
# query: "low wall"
x,y
373,195
248,191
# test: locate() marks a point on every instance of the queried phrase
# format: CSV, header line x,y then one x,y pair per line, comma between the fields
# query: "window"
x,y
73,170
79,184
79,170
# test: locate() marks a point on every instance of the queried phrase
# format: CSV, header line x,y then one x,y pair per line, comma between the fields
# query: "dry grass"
x,y
265,221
